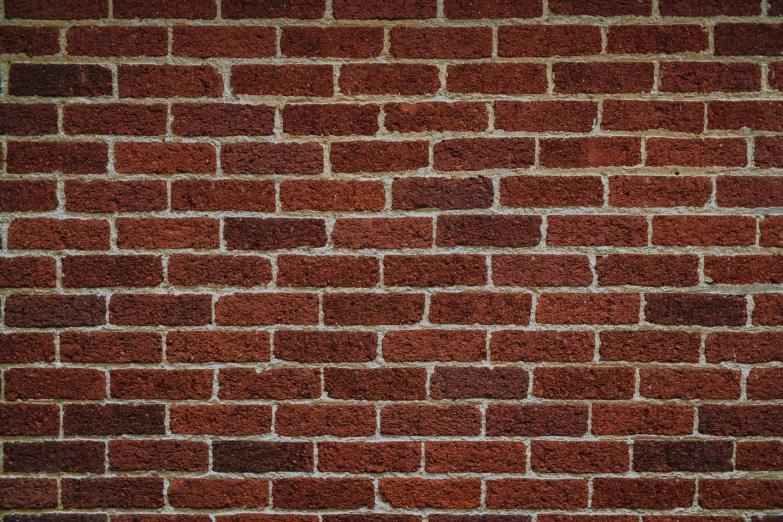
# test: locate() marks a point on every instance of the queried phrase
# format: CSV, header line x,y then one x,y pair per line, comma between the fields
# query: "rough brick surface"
x,y
391,260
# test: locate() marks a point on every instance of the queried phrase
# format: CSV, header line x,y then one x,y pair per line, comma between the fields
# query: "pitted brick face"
x,y
391,261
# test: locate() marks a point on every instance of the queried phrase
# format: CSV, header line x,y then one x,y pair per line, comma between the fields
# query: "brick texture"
x,y
391,260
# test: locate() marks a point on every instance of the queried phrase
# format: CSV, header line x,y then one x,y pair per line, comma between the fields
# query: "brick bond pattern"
x,y
402,261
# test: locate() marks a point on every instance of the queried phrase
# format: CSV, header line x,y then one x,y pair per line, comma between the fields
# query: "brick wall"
x,y
391,261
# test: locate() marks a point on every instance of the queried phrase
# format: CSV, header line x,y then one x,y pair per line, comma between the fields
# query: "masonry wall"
x,y
402,261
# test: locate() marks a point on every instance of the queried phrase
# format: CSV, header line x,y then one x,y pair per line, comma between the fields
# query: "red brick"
x,y
20,119
124,119
696,309
26,196
190,9
484,153
542,116
497,78
475,457
442,193
54,311
249,456
775,76
199,270
436,116
659,191
27,493
744,270
552,40
744,347
435,270
480,308
741,494
489,230
272,158
477,9
425,419
283,80
601,7
339,119
551,191
203,195
240,9
577,382
111,347
536,494
221,419
106,41
222,119
379,156
26,348
334,42
58,234
740,420
217,346
754,115
541,346
664,456
161,384
427,493
646,419
313,347
380,10
764,384
310,420
160,309
541,270
652,39
710,77
603,78
115,196
54,456
369,457
159,233
643,493
168,81
748,39
222,493
54,383
281,383
382,233
29,420
164,158
434,345
32,41
114,419
709,8
650,346
323,493
590,152
760,456
66,157
768,309
104,271
441,42
266,309
153,455
597,230
452,382
401,79
328,271
629,115
28,272
647,270
376,384
690,384
372,309
56,80
332,195
749,191
579,457
767,152
704,230
224,41
573,308
726,152
273,233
